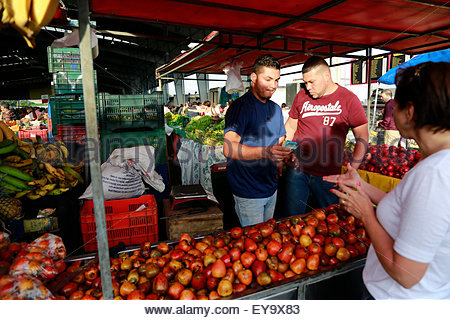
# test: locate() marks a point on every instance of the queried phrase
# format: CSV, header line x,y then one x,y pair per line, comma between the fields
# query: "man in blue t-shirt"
x,y
254,130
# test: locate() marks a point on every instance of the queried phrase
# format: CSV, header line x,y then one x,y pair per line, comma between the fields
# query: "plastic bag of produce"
x,y
34,263
23,287
52,245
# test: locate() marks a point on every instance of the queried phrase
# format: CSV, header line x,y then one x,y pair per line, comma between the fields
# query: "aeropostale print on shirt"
x,y
322,127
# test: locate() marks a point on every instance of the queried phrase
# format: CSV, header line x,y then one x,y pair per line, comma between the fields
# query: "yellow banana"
x,y
17,12
41,192
69,177
20,164
64,151
7,132
22,193
49,187
73,183
63,184
79,165
54,172
12,158
54,192
50,178
21,143
26,148
40,182
42,12
33,196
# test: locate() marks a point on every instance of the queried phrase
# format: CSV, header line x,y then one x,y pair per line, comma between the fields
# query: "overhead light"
x,y
192,45
182,51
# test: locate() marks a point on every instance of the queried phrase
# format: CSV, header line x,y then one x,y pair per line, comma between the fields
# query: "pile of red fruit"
x,y
389,161
229,263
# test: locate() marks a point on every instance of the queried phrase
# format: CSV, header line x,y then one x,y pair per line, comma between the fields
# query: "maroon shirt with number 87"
x,y
322,127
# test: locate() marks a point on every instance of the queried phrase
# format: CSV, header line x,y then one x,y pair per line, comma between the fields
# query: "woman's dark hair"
x,y
266,60
427,87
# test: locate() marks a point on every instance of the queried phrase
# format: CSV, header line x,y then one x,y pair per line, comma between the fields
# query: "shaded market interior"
x,y
140,43
143,40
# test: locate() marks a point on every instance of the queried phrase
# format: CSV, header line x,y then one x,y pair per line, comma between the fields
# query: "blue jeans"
x,y
298,187
254,211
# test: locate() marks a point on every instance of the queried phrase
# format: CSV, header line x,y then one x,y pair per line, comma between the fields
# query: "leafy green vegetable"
x,y
199,122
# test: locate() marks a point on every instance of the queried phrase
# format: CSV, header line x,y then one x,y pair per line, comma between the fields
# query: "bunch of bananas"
x,y
27,16
35,169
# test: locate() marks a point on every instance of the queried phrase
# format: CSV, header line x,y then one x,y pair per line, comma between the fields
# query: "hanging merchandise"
x,y
73,39
234,80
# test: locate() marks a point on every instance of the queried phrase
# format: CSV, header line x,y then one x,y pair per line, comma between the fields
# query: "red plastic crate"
x,y
71,133
123,222
29,134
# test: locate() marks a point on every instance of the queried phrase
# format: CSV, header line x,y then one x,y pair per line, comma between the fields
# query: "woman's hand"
x,y
351,178
356,202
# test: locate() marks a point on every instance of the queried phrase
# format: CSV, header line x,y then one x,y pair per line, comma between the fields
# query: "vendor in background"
x,y
285,112
192,110
166,109
208,110
227,106
39,113
218,109
30,115
410,231
253,130
391,134
7,114
319,120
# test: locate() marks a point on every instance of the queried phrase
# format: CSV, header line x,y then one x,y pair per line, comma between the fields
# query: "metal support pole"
x,y
203,86
369,59
93,147
179,88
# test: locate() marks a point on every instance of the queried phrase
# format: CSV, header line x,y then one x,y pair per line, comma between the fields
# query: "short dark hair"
x,y
266,60
207,103
387,93
4,104
427,87
313,62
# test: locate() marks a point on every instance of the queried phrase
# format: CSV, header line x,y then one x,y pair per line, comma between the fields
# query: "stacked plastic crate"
x,y
67,104
134,120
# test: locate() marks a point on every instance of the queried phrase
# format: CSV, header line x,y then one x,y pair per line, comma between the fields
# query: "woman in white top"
x,y
208,110
409,257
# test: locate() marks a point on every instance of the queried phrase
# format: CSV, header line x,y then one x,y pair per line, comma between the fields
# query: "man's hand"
x,y
292,161
276,152
280,166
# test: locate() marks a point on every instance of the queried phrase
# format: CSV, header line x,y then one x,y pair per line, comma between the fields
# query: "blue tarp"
x,y
437,56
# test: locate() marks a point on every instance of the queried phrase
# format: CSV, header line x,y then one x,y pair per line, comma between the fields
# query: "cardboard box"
x,y
47,224
201,223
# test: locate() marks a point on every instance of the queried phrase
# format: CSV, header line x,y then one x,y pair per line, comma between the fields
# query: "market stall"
x,y
198,146
285,259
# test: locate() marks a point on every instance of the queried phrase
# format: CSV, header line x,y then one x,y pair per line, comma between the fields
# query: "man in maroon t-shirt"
x,y
319,121
391,134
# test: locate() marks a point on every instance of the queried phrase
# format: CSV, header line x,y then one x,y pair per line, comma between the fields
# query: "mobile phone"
x,y
290,144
